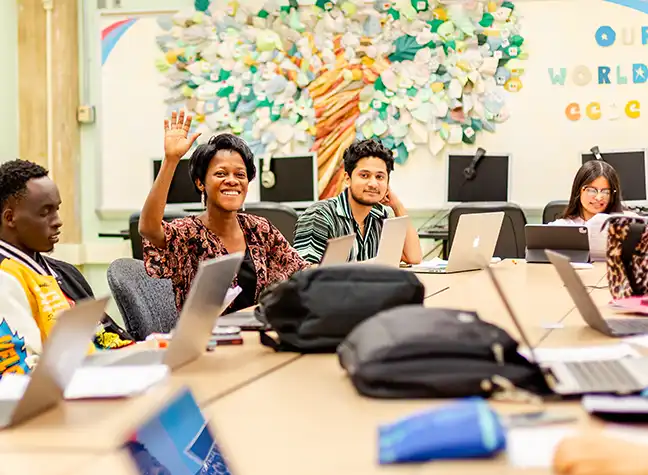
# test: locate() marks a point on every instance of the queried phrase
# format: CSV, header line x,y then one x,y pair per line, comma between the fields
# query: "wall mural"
x,y
411,73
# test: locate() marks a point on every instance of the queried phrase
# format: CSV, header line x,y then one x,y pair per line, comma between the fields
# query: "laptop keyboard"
x,y
602,376
629,325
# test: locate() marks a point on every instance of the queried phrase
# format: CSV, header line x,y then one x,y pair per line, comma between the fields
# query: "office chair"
x,y
553,211
136,239
511,242
147,304
283,217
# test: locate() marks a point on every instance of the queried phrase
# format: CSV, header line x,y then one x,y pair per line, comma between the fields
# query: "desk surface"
x,y
311,412
538,309
72,463
285,413
97,425
319,425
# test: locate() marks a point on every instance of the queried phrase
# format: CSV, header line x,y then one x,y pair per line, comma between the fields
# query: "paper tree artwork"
x,y
411,73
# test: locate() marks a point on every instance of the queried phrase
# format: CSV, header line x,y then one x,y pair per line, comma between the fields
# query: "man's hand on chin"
x,y
392,201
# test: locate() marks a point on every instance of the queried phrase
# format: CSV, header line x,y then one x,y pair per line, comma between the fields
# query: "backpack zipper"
x,y
498,353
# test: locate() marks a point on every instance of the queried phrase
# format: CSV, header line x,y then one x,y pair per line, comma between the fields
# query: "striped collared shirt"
x,y
333,218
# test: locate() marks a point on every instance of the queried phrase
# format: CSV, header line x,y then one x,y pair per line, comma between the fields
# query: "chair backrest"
x,y
554,210
136,238
147,304
283,217
511,242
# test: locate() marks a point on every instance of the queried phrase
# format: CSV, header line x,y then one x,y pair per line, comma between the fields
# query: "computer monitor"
x,y
295,180
182,190
490,182
630,165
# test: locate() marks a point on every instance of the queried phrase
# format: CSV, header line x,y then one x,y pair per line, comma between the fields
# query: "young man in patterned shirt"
x,y
361,209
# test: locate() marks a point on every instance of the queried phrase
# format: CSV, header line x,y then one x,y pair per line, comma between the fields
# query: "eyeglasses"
x,y
592,192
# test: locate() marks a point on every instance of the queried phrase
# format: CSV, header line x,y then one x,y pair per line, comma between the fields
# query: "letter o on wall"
x,y
582,75
605,36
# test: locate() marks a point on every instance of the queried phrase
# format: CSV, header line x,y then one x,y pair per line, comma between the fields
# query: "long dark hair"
x,y
589,172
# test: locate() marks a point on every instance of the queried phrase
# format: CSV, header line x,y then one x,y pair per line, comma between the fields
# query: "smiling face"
x,y
33,219
595,197
369,181
226,182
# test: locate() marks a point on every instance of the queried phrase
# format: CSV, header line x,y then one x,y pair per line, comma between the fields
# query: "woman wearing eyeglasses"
x,y
596,189
595,194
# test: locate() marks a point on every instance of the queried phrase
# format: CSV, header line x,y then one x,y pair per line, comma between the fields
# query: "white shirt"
x,y
597,235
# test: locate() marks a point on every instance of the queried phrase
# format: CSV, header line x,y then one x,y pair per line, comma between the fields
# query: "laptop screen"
x,y
177,440
511,313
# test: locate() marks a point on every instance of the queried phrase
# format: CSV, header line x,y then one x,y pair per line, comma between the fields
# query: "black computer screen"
x,y
489,184
295,180
182,189
631,168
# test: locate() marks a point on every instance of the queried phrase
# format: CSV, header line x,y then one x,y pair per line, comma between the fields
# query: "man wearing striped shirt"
x,y
361,208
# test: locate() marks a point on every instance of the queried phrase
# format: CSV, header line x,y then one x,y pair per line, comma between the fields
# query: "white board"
x,y
543,143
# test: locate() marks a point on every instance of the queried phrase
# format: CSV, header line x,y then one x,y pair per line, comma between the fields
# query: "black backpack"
x,y
417,352
314,310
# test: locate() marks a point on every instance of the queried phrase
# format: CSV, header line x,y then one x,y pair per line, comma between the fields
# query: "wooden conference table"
x,y
285,413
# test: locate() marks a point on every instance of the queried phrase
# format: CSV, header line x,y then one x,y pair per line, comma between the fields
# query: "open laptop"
x,y
571,378
616,327
392,241
571,241
63,353
338,250
473,245
191,335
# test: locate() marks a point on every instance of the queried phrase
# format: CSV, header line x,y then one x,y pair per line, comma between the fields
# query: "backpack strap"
x,y
635,231
267,340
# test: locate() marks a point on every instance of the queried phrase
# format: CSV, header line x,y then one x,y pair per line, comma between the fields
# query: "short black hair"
x,y
367,148
14,176
202,156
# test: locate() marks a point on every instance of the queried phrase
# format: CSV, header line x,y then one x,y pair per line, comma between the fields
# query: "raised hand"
x,y
176,140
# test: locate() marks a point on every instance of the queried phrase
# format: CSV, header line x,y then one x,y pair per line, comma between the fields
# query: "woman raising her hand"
x,y
221,170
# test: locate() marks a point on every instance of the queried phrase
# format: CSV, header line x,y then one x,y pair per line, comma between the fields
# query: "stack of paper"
x,y
534,447
96,382
639,340
637,305
230,296
529,447
438,263
581,265
582,353
114,381
435,263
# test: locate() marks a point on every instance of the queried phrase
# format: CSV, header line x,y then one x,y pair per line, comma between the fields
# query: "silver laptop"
x,y
392,241
338,250
617,327
621,376
473,245
191,335
63,353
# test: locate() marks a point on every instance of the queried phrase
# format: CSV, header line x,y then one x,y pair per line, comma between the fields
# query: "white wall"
x,y
543,142
8,80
